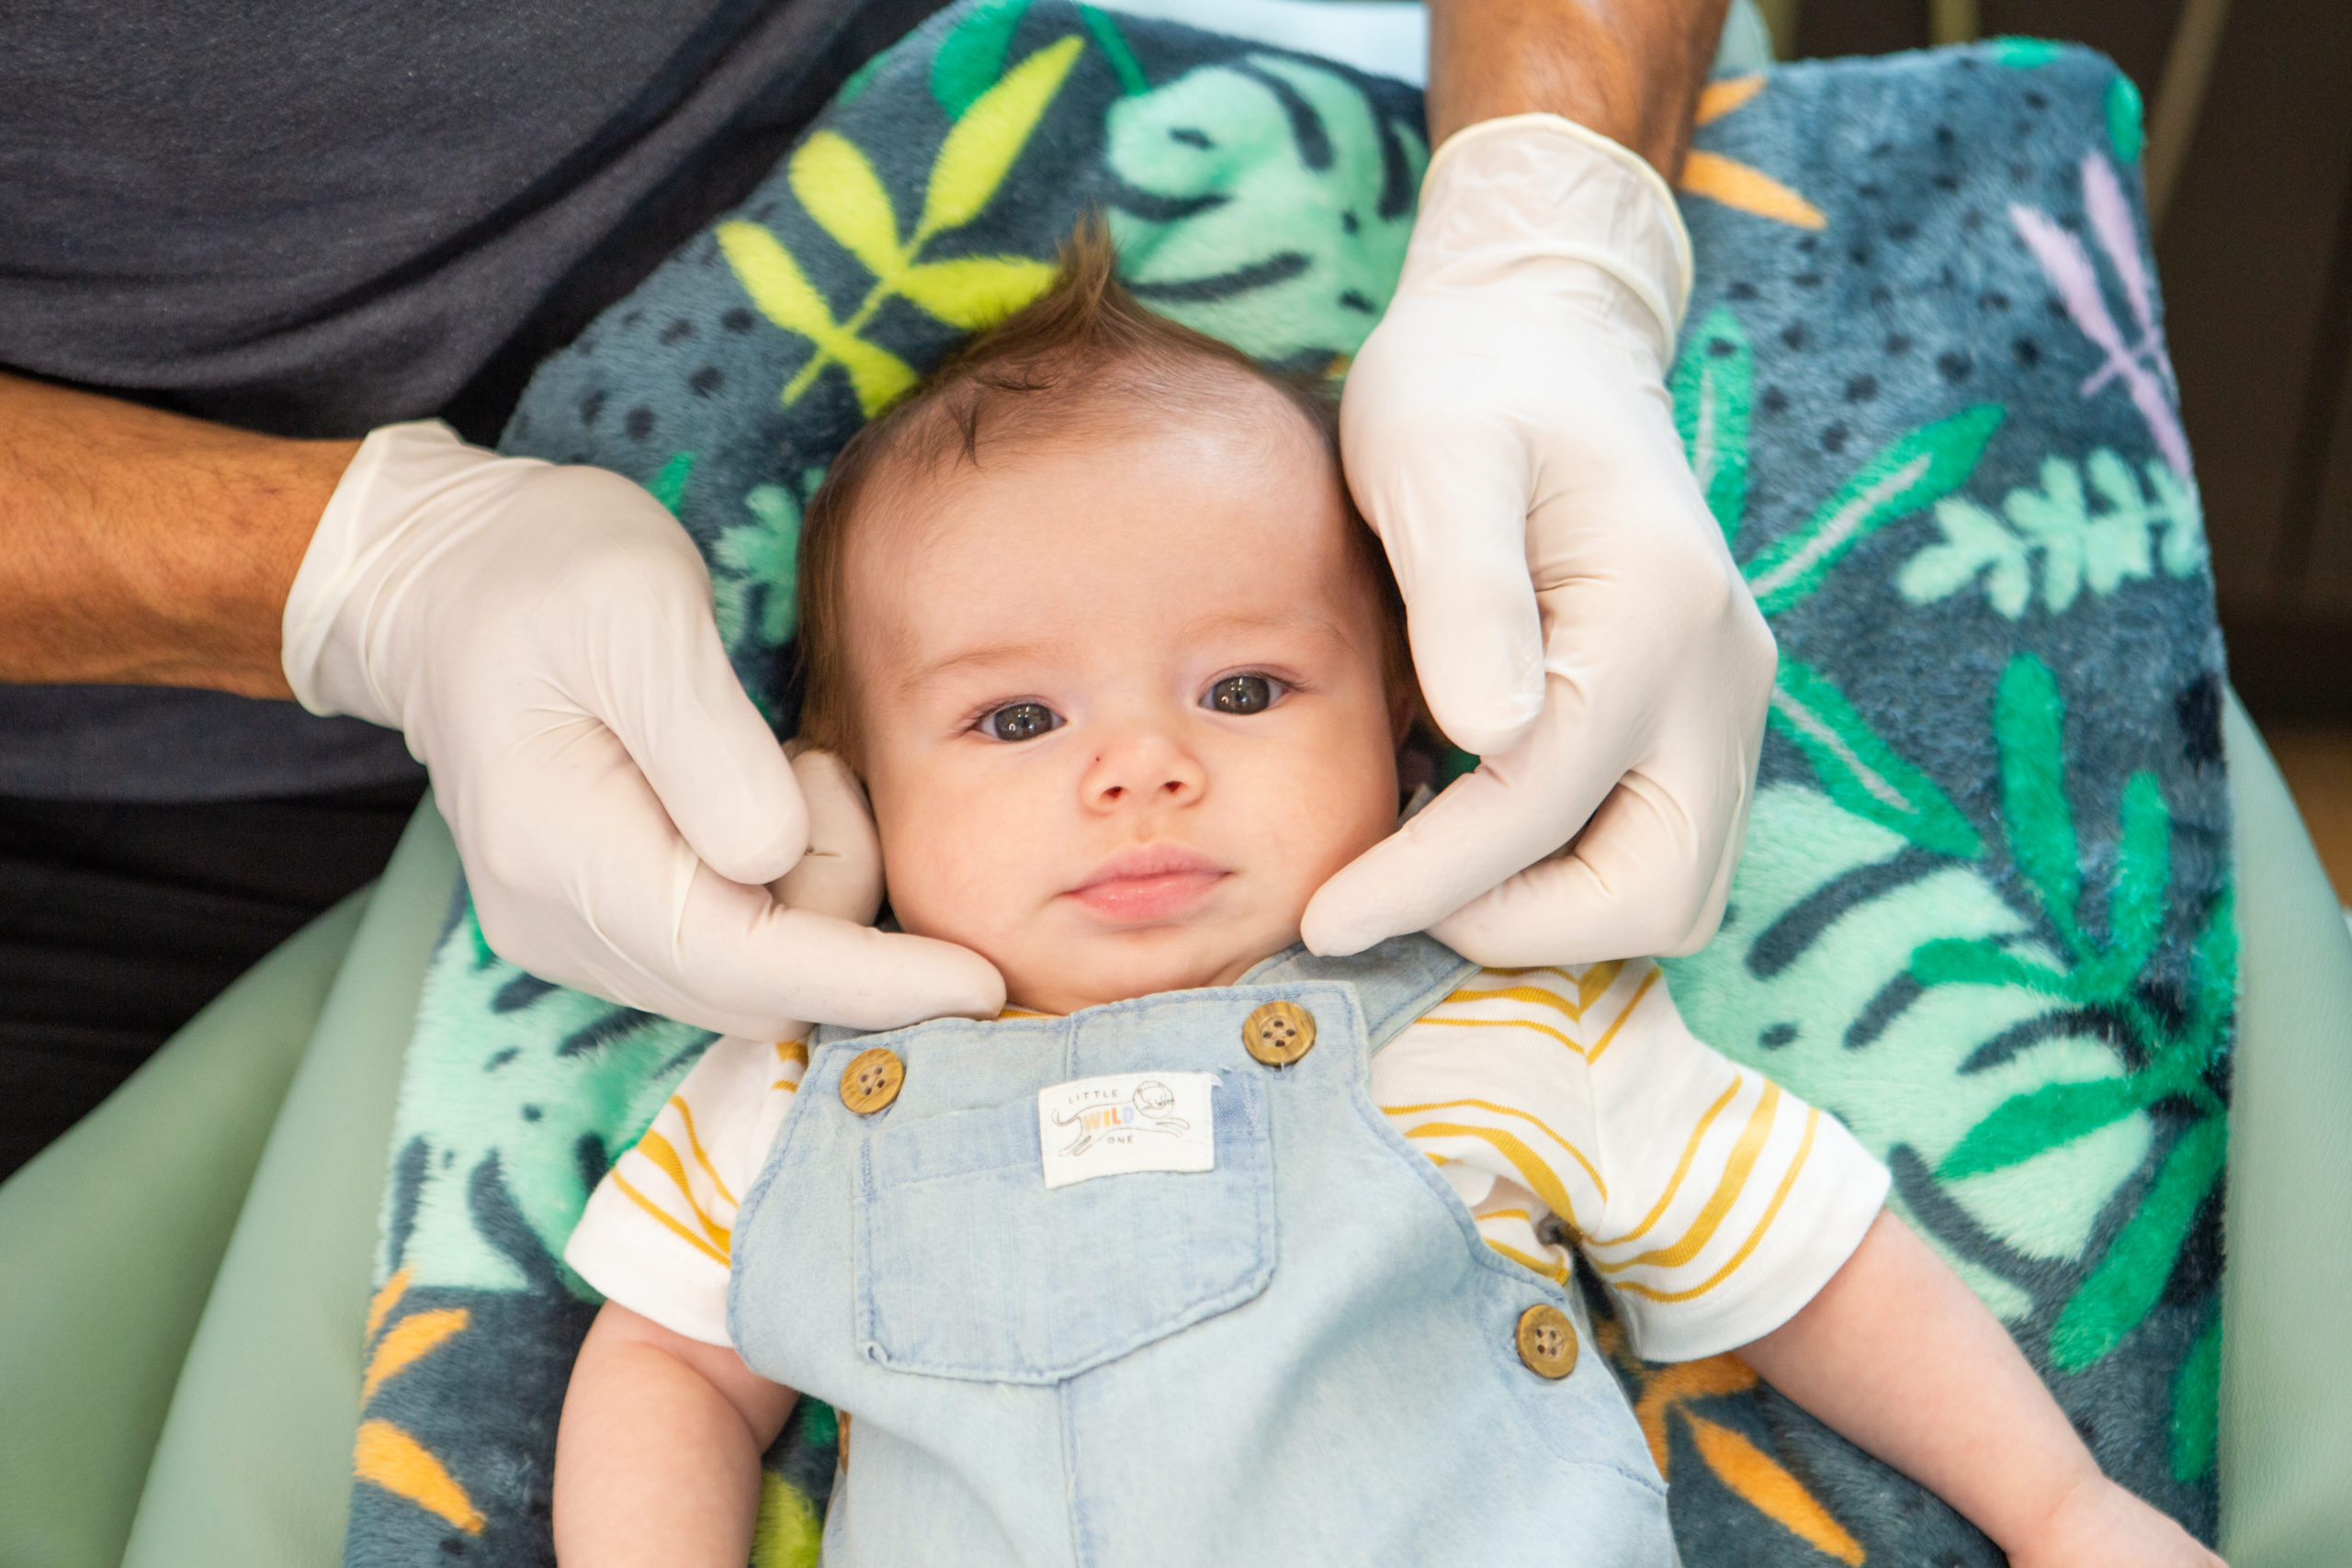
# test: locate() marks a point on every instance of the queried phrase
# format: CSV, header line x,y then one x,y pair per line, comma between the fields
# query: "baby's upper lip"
x,y
1140,861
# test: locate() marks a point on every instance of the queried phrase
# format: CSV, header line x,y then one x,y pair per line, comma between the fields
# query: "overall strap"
x,y
1396,981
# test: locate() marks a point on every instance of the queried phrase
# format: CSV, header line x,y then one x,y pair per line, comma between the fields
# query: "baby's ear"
x,y
1421,752
841,873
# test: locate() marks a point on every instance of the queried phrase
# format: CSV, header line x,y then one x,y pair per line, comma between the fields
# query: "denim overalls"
x,y
1304,1356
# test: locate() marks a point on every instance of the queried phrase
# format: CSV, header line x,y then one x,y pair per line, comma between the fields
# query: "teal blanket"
x,y
1983,914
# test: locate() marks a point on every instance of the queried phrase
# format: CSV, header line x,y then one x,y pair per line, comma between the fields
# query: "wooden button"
x,y
1278,1034
871,1080
1547,1341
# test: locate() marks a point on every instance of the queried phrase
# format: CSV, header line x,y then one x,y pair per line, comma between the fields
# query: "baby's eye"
x,y
1020,721
1243,694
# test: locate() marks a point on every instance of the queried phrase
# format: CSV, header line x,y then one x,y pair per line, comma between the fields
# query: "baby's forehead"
x,y
962,432
1144,531
926,487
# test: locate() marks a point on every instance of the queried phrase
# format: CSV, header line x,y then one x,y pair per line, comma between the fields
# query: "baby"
x,y
1209,1251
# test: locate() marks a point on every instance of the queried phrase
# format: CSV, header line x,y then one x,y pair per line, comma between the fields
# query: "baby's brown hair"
x,y
1072,356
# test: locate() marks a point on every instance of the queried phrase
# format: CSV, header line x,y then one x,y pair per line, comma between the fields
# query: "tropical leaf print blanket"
x,y
1983,914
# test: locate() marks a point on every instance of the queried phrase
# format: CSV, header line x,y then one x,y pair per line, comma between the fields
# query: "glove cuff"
x,y
384,516
1540,187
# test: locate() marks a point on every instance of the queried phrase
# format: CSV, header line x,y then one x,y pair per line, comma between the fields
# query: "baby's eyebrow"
x,y
988,656
994,655
1238,621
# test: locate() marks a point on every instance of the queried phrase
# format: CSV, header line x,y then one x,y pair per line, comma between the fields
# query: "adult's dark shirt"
x,y
313,217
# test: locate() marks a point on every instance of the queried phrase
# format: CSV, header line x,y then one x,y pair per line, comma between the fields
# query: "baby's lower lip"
x,y
1138,898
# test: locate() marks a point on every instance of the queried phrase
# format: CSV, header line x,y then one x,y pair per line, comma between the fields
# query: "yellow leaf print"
x,y
386,1298
785,296
1736,183
384,1454
789,1527
1662,1392
1717,99
980,150
411,1340
974,292
403,1466
875,374
1755,1475
838,186
776,282
836,183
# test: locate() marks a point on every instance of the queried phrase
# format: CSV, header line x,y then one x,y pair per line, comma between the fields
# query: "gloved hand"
x,y
1576,618
544,637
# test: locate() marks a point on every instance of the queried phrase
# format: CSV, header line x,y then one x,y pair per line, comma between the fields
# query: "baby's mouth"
x,y
1146,883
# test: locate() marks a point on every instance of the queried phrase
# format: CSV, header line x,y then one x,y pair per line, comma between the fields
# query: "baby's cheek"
x,y
1310,823
924,870
1357,807
951,870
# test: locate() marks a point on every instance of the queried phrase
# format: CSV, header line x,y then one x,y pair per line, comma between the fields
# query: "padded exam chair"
x,y
184,1279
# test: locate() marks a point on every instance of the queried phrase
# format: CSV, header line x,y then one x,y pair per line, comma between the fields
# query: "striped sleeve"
x,y
1711,1201
656,1231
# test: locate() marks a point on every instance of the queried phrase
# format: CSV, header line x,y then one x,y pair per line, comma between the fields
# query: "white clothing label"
x,y
1126,1122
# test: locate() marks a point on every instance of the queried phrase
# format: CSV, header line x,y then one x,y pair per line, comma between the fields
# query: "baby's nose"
x,y
1145,768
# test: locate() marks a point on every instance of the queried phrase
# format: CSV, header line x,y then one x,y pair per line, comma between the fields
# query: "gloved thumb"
x,y
840,875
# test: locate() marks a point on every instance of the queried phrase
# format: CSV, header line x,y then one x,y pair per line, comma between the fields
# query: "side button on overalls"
x,y
1303,1355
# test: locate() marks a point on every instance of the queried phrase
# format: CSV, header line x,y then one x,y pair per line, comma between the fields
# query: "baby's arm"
x,y
658,1458
1896,1355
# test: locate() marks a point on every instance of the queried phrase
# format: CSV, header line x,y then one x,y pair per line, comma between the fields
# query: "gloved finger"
x,y
1647,875
1484,828
841,874
682,713
642,920
1446,483
760,967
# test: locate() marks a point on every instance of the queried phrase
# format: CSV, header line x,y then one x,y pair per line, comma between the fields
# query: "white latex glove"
x,y
544,637
1576,618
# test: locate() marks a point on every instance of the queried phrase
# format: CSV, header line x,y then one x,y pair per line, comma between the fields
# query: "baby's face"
x,y
1121,702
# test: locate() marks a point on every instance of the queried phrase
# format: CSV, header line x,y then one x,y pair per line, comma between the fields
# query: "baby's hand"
x,y
2099,1524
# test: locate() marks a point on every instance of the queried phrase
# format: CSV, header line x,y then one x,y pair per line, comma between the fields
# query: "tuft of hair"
x,y
1083,357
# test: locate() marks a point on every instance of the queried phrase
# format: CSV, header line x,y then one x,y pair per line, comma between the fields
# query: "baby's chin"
x,y
1120,966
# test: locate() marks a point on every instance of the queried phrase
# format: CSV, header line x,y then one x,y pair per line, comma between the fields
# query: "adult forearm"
x,y
1897,1356
145,547
1628,69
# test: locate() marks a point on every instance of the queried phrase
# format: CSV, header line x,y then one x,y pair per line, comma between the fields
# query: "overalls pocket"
x,y
969,1267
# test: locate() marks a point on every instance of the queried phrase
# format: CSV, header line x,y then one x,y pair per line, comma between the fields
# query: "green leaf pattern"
x,y
1862,772
2035,1146
971,58
2131,1275
2078,542
758,565
1276,252
542,1106
2028,720
1712,386
1820,1042
1912,470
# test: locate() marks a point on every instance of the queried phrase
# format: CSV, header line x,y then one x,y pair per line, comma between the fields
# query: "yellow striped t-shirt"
x,y
1568,1107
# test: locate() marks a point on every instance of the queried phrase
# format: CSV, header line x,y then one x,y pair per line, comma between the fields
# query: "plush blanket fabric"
x,y
1983,914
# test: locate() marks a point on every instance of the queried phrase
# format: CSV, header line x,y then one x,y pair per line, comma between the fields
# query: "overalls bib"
x,y
1304,1356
